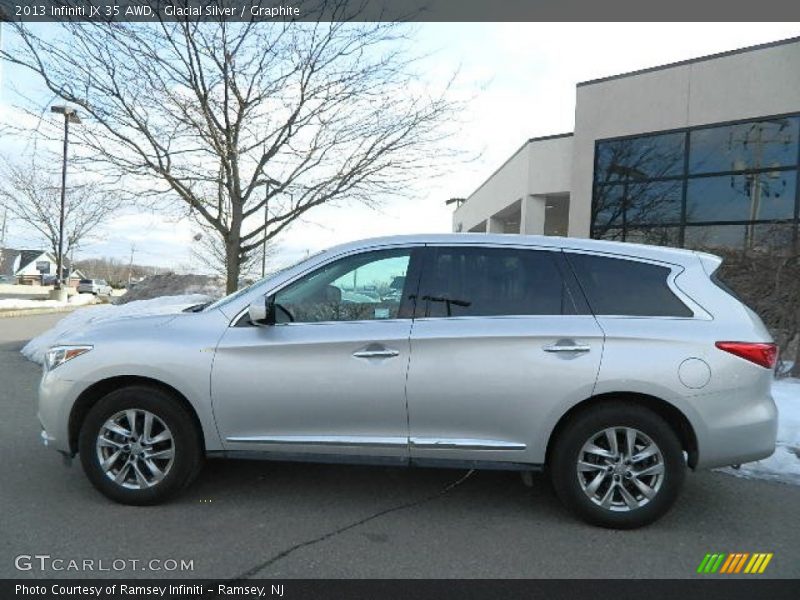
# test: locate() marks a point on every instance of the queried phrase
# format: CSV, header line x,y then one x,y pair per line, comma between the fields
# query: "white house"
x,y
29,266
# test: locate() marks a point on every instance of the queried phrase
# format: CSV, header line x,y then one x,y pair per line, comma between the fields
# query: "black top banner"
x,y
398,10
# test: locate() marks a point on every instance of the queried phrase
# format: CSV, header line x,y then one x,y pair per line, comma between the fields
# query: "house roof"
x,y
8,258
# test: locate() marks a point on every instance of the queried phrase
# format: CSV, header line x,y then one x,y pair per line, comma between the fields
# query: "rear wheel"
x,y
138,445
617,465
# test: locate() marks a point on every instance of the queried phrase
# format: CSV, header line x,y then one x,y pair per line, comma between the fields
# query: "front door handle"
x,y
382,353
566,346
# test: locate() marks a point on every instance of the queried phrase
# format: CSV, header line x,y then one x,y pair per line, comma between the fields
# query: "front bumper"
x,y
56,398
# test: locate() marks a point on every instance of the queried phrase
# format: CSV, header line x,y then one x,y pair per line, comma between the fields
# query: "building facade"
x,y
702,154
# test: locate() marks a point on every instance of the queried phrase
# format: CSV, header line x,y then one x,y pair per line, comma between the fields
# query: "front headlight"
x,y
58,355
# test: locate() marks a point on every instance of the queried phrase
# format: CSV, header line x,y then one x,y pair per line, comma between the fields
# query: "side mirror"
x,y
262,311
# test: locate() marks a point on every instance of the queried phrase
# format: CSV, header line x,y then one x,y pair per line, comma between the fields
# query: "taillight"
x,y
764,355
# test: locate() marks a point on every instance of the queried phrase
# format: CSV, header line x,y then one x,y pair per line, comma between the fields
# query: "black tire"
x,y
585,426
186,442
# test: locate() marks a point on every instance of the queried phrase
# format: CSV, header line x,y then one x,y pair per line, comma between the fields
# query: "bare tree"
x,y
226,117
209,250
32,196
765,273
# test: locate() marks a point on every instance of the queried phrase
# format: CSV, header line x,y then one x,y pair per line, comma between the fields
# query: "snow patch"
x,y
25,304
78,320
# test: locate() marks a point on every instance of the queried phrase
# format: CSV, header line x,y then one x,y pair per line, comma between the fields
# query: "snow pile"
x,y
23,304
82,299
784,465
35,349
170,284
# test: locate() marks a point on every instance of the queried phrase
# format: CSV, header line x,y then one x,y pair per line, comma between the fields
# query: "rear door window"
x,y
615,286
478,281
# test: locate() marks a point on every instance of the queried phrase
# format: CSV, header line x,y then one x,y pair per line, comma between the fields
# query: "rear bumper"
x,y
738,427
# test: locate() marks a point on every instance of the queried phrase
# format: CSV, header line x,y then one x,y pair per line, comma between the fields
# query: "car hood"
x,y
113,327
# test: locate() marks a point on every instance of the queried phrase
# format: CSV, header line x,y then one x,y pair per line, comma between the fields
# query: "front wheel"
x,y
617,465
138,445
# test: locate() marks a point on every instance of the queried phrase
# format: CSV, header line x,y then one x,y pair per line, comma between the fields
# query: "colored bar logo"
x,y
737,562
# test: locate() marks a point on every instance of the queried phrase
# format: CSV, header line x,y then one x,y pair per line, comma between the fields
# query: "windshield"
x,y
241,292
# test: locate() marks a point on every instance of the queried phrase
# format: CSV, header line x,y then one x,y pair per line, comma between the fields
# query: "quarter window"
x,y
625,287
363,287
468,282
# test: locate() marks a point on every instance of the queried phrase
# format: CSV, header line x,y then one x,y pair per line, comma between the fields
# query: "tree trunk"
x,y
233,265
795,371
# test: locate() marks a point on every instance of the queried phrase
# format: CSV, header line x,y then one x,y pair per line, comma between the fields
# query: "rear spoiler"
x,y
710,262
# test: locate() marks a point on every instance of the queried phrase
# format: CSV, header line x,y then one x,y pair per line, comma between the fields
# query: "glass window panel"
x,y
473,282
366,286
611,234
755,145
646,157
648,203
773,238
626,287
716,238
606,209
744,197
654,202
654,236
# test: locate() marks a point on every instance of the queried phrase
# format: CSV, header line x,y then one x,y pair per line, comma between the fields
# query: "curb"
x,y
25,312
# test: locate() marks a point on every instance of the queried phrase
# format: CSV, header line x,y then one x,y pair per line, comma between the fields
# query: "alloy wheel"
x,y
620,469
135,449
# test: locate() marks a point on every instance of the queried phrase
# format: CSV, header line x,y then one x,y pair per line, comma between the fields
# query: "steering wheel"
x,y
285,311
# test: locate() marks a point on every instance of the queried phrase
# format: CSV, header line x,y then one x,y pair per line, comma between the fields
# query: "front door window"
x,y
364,287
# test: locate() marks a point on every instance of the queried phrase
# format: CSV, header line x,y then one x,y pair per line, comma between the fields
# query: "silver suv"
x,y
611,366
94,286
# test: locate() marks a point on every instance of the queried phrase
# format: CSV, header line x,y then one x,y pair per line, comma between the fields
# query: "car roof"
x,y
659,253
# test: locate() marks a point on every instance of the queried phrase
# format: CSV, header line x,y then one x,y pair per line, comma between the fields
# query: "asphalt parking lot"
x,y
260,519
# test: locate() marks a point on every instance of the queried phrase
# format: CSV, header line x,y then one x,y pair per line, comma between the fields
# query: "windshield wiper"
x,y
196,307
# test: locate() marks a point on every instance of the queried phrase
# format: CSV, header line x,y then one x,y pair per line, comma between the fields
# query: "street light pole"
x,y
60,261
264,244
70,116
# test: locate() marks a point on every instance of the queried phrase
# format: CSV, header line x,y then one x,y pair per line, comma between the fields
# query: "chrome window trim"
x,y
388,441
464,444
320,440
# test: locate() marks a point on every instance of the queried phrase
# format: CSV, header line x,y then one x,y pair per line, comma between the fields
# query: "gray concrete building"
x,y
700,153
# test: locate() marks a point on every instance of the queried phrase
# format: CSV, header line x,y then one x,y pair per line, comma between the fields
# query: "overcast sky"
x,y
521,78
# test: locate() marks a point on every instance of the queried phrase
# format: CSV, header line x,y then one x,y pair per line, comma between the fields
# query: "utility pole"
x,y
130,264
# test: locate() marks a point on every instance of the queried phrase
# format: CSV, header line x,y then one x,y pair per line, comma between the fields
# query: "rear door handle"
x,y
384,353
566,346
